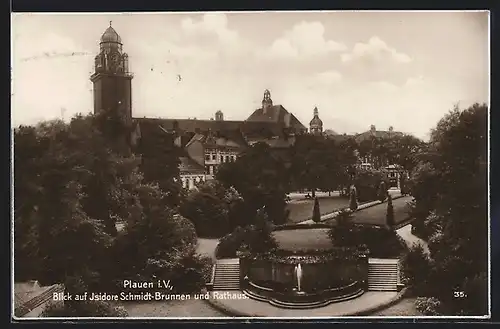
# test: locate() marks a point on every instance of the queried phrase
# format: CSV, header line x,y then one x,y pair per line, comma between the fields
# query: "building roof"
x,y
188,165
278,114
377,134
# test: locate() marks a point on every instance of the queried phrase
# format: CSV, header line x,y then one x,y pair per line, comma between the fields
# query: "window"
x,y
214,157
207,157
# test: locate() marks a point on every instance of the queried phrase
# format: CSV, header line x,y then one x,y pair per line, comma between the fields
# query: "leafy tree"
x,y
316,213
154,240
208,213
260,179
367,184
160,162
454,189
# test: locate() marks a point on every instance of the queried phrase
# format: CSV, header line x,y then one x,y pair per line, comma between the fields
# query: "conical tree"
x,y
390,212
382,191
316,213
353,202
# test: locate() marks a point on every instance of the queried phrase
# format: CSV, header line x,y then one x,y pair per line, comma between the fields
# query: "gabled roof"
x,y
188,165
278,114
223,139
377,134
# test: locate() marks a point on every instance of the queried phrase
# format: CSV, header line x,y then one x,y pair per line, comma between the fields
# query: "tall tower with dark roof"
x,y
111,78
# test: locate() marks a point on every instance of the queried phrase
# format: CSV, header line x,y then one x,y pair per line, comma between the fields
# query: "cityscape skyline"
x,y
388,67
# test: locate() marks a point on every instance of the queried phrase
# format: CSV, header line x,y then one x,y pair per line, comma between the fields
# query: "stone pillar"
x,y
363,262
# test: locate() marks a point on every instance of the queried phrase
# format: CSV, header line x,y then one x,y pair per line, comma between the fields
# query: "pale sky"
x,y
398,69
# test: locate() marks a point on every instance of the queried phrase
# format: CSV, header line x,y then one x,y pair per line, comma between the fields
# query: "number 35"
x,y
459,294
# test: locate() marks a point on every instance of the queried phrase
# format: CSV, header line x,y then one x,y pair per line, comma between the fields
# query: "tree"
x,y
72,185
389,218
208,212
160,161
260,179
353,202
454,189
316,213
154,240
382,191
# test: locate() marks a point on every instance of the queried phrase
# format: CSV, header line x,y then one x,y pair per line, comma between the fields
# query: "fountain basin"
x,y
275,281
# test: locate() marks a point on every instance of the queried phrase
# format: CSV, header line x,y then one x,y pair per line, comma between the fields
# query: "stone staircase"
x,y
383,274
35,302
227,274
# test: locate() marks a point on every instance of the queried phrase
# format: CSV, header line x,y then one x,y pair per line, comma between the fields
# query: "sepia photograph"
x,y
250,165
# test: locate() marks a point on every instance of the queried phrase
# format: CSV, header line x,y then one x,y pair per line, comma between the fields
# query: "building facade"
x,y
203,144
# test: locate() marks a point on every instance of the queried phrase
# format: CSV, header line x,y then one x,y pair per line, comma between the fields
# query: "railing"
x,y
35,302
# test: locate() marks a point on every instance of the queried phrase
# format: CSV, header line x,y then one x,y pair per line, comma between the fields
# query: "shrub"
x,y
382,191
208,213
416,267
367,184
316,213
83,309
344,218
256,239
403,185
428,305
380,241
389,218
353,202
476,290
191,273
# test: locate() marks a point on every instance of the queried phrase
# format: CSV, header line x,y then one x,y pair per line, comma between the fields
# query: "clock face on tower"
x,y
114,60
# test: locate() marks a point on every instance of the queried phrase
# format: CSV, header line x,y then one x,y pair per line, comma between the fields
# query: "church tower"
x,y
267,102
316,125
111,78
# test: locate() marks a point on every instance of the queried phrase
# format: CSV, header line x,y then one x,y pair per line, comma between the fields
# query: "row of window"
x,y
223,158
190,182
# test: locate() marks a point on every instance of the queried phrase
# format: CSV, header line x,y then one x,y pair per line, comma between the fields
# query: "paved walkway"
x,y
253,308
410,239
206,247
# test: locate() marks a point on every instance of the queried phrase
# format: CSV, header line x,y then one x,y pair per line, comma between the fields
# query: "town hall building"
x,y
203,144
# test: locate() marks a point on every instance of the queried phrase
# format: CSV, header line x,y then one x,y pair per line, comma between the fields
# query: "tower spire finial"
x,y
110,23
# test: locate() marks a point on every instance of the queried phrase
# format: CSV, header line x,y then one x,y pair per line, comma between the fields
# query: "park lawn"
x,y
301,210
375,215
300,239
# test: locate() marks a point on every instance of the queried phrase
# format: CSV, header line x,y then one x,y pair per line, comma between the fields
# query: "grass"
x,y
376,215
313,238
301,210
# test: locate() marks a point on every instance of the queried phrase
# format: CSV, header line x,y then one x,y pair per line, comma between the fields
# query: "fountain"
x,y
298,275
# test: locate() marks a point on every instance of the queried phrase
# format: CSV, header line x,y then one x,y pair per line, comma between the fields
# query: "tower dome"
x,y
316,121
110,35
316,125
